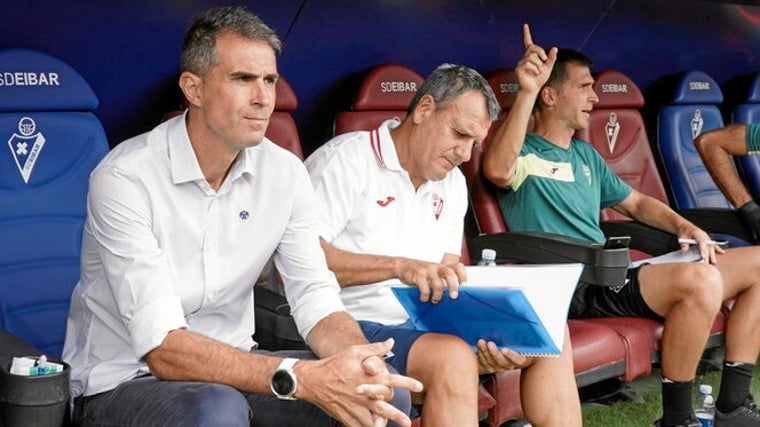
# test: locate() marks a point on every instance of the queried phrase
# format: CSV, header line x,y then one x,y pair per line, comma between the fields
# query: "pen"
x,y
682,241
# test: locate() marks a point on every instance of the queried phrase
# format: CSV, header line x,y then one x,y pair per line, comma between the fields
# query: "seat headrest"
x,y
616,90
35,81
753,94
696,87
286,97
504,84
387,87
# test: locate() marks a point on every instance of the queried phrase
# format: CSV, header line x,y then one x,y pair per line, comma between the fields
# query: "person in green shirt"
x,y
552,182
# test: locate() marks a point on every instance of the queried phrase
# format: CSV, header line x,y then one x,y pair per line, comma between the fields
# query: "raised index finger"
x,y
527,39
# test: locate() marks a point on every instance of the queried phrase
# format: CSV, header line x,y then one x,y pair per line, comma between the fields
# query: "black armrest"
x,y
650,240
719,221
275,327
606,267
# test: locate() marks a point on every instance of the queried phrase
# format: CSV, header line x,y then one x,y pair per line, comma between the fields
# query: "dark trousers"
x,y
148,401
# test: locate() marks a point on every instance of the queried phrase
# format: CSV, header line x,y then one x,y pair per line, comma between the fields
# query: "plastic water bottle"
x,y
704,407
487,257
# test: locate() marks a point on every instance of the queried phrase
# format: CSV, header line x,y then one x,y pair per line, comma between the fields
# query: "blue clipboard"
x,y
502,315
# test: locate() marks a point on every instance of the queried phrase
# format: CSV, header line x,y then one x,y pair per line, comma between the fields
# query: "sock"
x,y
734,385
676,401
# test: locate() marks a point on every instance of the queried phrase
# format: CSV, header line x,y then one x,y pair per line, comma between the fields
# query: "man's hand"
x,y
535,66
750,215
354,386
706,250
491,359
431,278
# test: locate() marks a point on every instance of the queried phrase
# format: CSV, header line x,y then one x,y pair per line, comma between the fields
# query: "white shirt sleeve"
x,y
330,168
311,289
135,266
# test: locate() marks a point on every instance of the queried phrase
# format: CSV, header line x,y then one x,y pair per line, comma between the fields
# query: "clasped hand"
x,y
355,386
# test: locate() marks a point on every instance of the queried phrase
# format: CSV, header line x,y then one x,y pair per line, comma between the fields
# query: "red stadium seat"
x,y
628,153
282,128
617,132
385,93
600,351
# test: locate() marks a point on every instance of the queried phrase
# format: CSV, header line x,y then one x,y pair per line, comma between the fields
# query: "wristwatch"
x,y
284,382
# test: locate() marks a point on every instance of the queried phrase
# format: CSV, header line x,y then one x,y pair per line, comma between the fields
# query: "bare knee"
x,y
456,356
700,286
443,358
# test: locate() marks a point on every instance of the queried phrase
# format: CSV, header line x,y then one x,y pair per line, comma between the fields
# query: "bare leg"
x,y
549,393
689,296
448,368
740,269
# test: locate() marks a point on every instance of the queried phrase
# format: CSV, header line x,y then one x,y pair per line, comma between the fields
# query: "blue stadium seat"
x,y
692,109
749,112
52,142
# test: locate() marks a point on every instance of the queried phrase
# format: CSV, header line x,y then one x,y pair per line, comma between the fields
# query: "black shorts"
x,y
611,301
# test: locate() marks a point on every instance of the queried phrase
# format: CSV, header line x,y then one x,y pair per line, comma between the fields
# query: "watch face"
x,y
282,383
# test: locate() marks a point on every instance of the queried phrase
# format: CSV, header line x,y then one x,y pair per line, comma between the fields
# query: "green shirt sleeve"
x,y
752,138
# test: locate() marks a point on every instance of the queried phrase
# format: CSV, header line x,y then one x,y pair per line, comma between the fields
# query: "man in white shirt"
x,y
391,206
181,221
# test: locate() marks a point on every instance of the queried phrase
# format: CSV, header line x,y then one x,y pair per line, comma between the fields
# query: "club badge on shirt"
x,y
437,205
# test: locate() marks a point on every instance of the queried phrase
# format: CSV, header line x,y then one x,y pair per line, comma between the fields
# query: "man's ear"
x,y
548,95
191,87
424,108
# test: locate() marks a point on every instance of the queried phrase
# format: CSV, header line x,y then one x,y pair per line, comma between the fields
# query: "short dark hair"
x,y
559,72
199,48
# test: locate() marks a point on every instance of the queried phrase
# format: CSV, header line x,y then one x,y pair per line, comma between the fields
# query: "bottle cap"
x,y
705,389
489,254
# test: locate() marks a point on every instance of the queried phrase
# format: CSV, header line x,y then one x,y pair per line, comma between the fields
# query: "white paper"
x,y
548,287
690,255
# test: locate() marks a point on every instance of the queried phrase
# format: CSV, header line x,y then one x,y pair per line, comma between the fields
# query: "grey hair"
x,y
448,81
199,48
